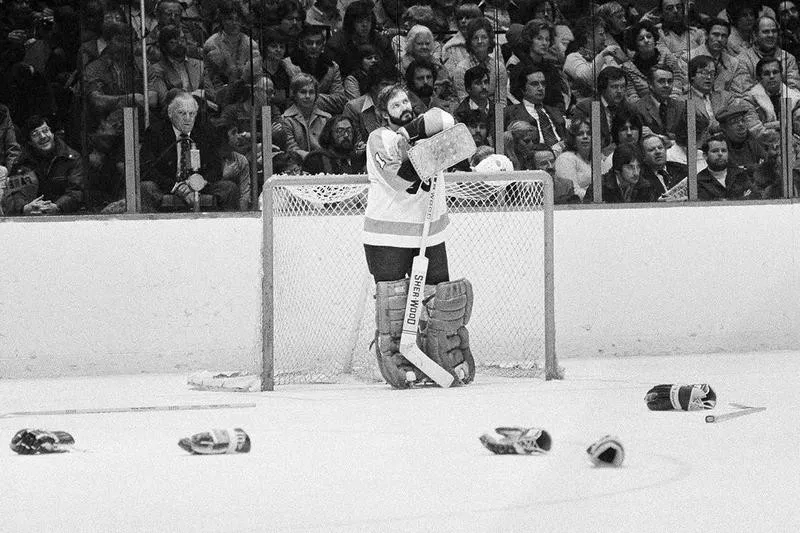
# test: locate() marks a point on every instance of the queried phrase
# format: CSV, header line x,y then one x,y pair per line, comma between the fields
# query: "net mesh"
x,y
323,308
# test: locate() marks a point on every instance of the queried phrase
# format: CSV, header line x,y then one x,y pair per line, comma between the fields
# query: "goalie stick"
x,y
742,411
430,157
416,291
135,409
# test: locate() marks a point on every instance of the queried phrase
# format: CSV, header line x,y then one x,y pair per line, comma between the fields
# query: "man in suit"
x,y
611,85
716,47
168,158
529,86
175,70
708,102
659,111
362,111
476,82
661,175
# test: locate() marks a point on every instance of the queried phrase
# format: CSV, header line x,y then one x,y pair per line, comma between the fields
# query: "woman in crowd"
x,y
455,49
575,162
626,127
275,66
624,183
588,55
359,28
420,44
230,53
356,84
547,10
518,141
304,121
648,53
480,47
742,16
534,47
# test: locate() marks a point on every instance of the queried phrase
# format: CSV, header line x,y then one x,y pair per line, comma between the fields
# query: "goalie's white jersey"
x,y
393,216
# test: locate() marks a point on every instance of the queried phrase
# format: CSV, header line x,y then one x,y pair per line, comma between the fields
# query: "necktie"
x,y
666,178
709,107
185,163
662,114
546,130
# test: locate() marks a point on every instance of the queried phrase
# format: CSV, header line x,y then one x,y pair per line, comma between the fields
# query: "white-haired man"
x,y
396,206
172,151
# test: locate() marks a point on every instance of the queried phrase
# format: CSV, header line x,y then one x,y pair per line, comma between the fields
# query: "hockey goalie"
x,y
421,315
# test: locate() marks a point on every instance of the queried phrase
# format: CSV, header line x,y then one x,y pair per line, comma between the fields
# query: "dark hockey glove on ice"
x,y
681,397
33,441
517,440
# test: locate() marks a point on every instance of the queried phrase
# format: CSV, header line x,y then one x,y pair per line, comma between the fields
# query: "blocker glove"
x,y
517,440
34,441
681,397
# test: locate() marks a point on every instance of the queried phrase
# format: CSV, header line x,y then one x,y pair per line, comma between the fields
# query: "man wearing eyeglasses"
x,y
49,177
716,47
338,154
708,102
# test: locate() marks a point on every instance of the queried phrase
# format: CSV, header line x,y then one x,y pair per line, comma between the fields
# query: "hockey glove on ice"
x,y
681,397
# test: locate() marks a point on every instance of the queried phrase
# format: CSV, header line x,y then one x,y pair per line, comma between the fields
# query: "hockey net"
x,y
318,312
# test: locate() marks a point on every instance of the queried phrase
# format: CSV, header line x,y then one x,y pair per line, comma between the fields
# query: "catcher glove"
x,y
517,440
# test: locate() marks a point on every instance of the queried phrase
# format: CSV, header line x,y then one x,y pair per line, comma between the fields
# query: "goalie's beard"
x,y
404,118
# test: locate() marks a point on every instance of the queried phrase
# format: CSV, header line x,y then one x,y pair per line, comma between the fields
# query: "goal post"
x,y
318,317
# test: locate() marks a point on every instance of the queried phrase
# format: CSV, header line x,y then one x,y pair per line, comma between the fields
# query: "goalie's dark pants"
x,y
387,263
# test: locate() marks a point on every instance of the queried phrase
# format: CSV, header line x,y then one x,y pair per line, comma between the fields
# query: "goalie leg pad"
x,y
446,339
390,307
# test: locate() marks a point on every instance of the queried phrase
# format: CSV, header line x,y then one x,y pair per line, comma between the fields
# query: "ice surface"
x,y
359,457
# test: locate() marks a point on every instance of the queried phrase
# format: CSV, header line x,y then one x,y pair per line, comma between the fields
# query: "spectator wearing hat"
x,y
767,96
176,70
744,150
765,45
311,58
708,102
720,181
51,176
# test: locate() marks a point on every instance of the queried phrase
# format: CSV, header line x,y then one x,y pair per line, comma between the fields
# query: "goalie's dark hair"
x,y
386,94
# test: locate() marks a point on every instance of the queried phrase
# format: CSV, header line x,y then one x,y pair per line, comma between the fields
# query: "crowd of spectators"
x,y
523,75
